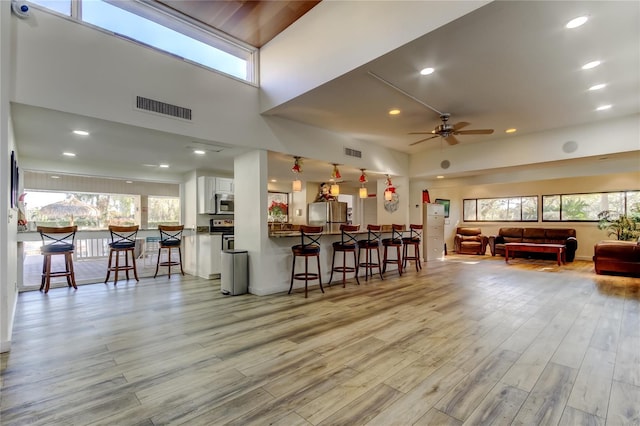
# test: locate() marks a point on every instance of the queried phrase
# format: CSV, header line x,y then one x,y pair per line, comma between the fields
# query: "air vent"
x,y
147,104
352,152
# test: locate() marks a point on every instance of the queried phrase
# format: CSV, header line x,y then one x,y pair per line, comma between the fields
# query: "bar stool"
x,y
413,240
394,242
348,244
57,240
309,247
123,240
369,245
170,238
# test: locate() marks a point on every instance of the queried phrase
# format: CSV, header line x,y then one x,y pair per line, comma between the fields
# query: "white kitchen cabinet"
x,y
433,230
224,186
206,195
209,256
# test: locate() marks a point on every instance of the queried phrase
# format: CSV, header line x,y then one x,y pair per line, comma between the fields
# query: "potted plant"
x,y
624,227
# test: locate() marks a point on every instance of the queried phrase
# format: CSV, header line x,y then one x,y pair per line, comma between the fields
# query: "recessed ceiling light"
x,y
576,22
512,130
439,177
128,181
590,65
273,180
427,71
55,177
603,107
163,166
81,132
394,111
597,87
68,154
199,152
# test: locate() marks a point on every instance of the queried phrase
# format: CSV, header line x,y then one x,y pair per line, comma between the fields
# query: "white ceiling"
x,y
507,64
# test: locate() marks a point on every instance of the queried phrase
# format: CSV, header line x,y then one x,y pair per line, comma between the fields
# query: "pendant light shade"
x,y
363,179
296,185
363,192
335,189
390,190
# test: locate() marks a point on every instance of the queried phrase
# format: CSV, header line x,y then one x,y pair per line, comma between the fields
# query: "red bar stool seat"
x,y
413,240
395,242
348,244
309,247
370,245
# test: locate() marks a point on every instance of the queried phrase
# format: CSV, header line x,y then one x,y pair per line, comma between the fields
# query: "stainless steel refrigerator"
x,y
324,213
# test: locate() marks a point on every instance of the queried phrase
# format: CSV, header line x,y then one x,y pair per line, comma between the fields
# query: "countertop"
x,y
332,230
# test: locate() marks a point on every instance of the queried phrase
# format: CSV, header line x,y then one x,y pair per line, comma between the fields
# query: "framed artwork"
x,y
278,207
15,181
446,204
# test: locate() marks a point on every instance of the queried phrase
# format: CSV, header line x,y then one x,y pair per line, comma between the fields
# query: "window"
x,y
586,207
165,30
87,211
163,211
512,209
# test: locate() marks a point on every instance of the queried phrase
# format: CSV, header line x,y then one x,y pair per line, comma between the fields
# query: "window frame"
x,y
521,197
626,207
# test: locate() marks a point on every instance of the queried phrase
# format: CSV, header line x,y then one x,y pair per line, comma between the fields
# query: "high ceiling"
x,y
254,22
507,64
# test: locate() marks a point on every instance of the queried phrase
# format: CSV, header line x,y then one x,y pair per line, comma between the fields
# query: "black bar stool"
x,y
348,244
123,240
369,245
57,240
170,238
394,242
413,240
309,247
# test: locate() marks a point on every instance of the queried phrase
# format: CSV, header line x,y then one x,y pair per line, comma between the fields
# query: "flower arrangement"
x,y
278,210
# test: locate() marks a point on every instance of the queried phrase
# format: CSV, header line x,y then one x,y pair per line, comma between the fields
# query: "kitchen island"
x,y
282,240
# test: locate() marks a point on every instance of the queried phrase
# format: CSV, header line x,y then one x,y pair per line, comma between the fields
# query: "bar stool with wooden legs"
x,y
348,244
413,240
309,247
394,242
57,241
170,238
371,244
123,240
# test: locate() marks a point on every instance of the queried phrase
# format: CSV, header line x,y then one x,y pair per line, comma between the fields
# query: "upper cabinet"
x,y
224,186
208,187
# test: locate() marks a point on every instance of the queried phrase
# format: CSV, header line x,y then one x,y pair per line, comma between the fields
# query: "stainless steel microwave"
x,y
224,204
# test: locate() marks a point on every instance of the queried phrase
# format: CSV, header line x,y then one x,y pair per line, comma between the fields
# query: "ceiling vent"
x,y
352,152
146,104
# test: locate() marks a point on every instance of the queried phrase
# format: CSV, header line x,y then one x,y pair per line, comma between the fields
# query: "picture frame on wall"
x,y
278,207
446,204
13,188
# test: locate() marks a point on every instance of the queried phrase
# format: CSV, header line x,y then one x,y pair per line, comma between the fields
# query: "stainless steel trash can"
x,y
234,277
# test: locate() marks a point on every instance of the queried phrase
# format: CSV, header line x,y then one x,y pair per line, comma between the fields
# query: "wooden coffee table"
x,y
559,249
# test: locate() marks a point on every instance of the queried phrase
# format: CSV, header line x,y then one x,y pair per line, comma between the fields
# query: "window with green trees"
x,y
508,209
586,207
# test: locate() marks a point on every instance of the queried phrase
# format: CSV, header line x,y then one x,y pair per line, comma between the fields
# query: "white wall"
x,y
8,215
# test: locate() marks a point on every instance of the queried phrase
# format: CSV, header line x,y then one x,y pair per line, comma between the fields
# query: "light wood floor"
x,y
469,340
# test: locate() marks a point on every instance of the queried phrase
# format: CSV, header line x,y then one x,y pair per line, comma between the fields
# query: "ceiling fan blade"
x,y
422,133
451,140
474,132
460,125
422,140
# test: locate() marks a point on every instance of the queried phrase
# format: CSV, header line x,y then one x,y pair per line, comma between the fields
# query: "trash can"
x,y
234,276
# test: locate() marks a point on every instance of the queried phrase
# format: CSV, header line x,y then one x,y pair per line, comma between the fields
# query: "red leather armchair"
x,y
470,241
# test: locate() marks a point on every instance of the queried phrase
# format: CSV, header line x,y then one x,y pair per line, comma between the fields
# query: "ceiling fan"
x,y
444,130
449,131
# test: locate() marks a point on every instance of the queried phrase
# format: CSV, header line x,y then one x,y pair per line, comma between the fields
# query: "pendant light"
x,y
363,190
335,175
390,190
296,185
